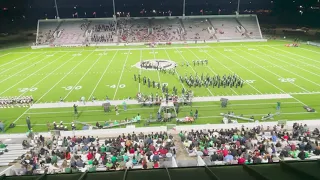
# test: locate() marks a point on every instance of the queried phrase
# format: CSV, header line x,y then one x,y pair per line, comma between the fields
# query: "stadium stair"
x,y
211,25
14,153
84,33
246,31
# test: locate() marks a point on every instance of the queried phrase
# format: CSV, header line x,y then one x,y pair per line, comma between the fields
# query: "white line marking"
x,y
269,70
154,58
49,74
105,70
32,73
192,69
175,70
294,60
140,69
14,60
124,65
230,70
65,97
295,54
251,72
20,64
54,85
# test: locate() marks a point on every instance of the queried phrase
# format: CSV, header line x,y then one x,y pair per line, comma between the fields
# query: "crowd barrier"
x,y
312,124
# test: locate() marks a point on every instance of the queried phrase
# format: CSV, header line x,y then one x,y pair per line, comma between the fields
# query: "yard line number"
x,y
23,90
115,86
101,54
285,80
68,88
250,81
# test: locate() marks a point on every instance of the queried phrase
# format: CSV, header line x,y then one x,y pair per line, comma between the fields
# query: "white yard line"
x,y
124,65
140,69
154,58
309,50
295,54
211,70
192,69
311,65
175,70
5,55
104,72
288,70
251,71
49,74
31,74
54,85
84,75
13,67
269,70
231,71
13,60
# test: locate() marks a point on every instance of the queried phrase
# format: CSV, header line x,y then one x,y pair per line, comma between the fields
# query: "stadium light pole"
x,y
184,8
55,3
114,9
238,9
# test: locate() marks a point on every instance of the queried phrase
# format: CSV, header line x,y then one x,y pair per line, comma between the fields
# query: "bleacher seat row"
x,y
159,29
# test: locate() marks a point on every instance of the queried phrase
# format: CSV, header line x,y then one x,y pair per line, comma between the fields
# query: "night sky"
x,y
13,11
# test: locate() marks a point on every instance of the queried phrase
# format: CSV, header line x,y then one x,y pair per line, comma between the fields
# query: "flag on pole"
x,y
201,11
219,11
76,14
142,11
169,12
94,14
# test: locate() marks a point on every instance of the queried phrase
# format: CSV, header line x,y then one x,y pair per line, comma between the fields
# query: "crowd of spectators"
x,y
257,145
102,38
74,154
104,27
11,101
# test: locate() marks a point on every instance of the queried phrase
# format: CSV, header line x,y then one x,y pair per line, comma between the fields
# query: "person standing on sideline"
x,y
191,113
117,110
124,105
196,114
1,126
28,122
75,109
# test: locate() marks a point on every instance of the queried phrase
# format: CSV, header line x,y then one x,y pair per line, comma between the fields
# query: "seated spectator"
x,y
302,155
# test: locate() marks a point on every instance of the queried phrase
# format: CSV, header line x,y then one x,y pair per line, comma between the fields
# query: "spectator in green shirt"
x,y
109,165
138,118
2,145
54,159
90,162
102,149
125,157
191,113
114,159
107,148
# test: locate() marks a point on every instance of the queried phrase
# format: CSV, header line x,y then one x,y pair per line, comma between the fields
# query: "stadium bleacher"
x,y
157,29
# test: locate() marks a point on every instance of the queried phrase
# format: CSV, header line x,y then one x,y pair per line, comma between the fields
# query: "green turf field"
x,y
70,73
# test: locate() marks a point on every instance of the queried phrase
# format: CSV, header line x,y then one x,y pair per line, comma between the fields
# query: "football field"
x,y
71,73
